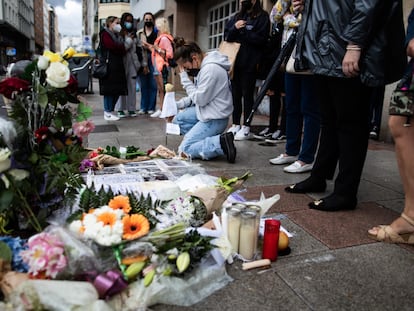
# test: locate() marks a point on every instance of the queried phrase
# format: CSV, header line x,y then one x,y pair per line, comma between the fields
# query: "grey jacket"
x,y
211,91
375,25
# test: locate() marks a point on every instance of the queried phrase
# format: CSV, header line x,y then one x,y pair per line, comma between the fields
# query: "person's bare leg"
x,y
160,88
404,150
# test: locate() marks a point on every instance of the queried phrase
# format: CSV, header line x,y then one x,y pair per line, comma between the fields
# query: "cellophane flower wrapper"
x,y
204,280
53,295
84,258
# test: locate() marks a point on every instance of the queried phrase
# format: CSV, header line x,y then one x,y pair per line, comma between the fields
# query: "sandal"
x,y
387,234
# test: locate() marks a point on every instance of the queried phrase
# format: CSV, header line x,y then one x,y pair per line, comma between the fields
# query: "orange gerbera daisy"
x,y
120,202
135,226
109,219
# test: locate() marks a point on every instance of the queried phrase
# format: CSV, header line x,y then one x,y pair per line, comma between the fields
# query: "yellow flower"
x,y
120,202
135,226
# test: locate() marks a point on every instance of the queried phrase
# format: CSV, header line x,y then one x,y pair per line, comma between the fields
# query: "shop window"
x,y
217,19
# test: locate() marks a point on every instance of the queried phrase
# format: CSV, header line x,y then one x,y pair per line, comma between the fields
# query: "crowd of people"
x,y
326,108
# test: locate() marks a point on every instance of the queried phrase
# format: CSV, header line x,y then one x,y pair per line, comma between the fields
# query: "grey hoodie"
x,y
211,89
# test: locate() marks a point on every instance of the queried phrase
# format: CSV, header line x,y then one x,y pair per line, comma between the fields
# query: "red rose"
x,y
41,133
10,85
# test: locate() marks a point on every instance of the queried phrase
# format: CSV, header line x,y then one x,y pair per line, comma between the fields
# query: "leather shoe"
x,y
227,144
310,184
333,203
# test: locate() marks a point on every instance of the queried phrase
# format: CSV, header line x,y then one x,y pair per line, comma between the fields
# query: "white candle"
x,y
247,241
233,230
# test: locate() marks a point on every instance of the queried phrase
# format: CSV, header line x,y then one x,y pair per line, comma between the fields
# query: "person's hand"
x,y
180,68
410,48
240,24
350,66
298,5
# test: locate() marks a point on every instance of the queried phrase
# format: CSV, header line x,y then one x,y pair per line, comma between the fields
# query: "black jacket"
x,y
375,25
252,39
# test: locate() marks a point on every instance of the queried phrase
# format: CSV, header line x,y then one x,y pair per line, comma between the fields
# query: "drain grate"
x,y
105,128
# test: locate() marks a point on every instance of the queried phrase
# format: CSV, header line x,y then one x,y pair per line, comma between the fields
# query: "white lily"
x,y
263,203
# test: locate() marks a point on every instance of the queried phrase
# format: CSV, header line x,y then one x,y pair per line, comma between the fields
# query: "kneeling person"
x,y
208,103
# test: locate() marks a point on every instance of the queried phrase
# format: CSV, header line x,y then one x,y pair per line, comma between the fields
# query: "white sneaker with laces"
x,y
283,159
234,129
297,167
110,117
243,133
156,114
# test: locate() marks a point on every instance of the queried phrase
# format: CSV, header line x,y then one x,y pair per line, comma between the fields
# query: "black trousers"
x,y
344,108
243,86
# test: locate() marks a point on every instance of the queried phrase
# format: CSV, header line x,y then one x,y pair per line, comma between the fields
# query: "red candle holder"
x,y
271,239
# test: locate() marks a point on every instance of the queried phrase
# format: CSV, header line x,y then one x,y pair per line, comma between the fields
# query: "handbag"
x,y
230,49
290,65
100,68
402,98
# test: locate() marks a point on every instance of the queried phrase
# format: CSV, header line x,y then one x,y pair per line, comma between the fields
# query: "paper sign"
x,y
172,128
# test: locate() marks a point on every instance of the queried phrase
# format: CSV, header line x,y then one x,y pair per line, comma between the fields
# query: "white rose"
x,y
42,62
19,174
57,75
5,161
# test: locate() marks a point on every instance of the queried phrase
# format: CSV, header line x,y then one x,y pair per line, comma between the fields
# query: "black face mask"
x,y
149,24
193,72
246,5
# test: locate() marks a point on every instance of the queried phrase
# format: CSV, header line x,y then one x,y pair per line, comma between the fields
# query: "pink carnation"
x,y
83,128
45,256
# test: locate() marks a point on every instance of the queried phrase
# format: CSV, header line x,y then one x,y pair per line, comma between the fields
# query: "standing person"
x,y
162,50
250,27
401,230
146,77
132,66
114,84
351,46
208,103
302,105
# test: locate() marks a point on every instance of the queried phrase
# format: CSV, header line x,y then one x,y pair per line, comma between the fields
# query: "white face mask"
x,y
117,28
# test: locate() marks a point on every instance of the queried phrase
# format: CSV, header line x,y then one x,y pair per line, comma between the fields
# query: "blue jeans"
x,y
148,89
186,119
202,139
110,102
302,108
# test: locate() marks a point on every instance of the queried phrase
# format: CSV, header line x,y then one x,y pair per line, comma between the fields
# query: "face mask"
x,y
117,28
246,5
149,24
193,72
128,25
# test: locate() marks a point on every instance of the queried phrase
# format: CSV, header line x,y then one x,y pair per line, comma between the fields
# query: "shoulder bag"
x,y
100,67
230,49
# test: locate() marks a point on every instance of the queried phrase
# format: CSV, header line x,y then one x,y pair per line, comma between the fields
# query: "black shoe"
x,y
310,184
333,203
227,144
373,134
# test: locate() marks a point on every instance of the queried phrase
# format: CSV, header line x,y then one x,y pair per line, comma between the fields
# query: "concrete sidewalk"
x,y
333,264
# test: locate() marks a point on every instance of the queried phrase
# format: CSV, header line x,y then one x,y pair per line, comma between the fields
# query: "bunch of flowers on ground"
x,y
41,148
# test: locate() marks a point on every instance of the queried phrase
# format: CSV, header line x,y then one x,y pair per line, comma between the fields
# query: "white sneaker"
x,y
234,129
156,114
141,111
282,159
110,117
297,167
243,134
150,111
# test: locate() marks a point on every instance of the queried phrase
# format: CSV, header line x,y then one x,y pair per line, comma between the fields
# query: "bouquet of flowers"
x,y
41,147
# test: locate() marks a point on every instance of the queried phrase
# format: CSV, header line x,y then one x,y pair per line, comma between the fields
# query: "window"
x,y
217,19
